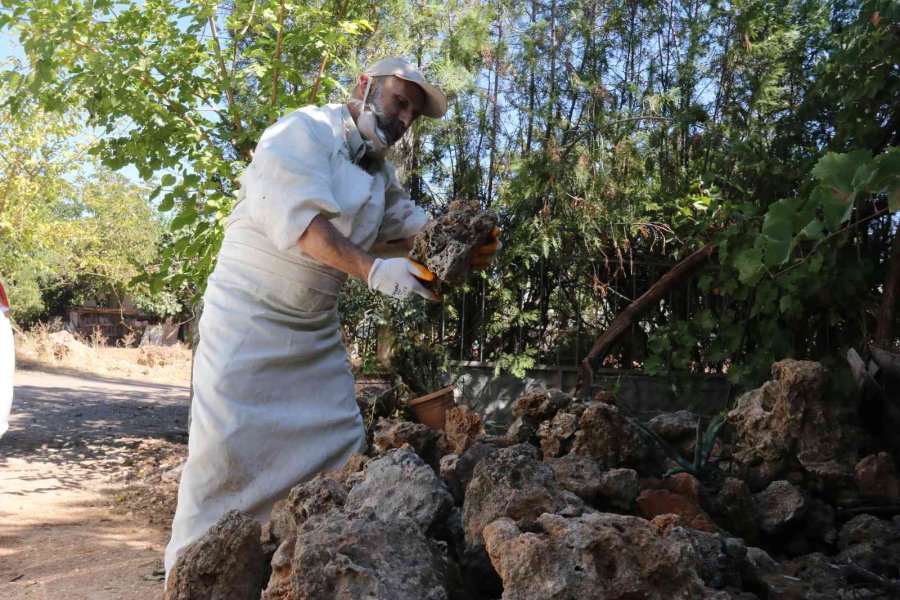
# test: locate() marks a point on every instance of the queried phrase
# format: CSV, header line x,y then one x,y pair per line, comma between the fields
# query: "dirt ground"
x,y
88,475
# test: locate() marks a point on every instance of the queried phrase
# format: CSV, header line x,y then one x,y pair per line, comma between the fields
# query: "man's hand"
x,y
486,253
397,277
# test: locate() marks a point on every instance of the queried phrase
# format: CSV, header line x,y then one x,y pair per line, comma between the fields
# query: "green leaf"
x,y
167,179
748,262
836,209
838,171
778,229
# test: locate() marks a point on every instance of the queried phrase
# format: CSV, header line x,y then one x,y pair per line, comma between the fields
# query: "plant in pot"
x,y
422,371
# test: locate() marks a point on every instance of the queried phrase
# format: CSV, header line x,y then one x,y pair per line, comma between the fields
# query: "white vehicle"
x,y
7,362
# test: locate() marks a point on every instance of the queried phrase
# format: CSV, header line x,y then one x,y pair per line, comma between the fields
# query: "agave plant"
x,y
700,465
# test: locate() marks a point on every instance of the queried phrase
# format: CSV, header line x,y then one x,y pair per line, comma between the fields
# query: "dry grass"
x,y
45,347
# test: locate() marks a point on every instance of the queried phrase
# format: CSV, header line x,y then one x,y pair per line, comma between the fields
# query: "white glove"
x,y
397,277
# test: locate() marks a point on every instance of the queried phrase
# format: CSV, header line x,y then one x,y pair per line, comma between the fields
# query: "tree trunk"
x,y
623,320
884,317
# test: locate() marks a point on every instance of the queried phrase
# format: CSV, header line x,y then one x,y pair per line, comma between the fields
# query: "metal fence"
x,y
560,305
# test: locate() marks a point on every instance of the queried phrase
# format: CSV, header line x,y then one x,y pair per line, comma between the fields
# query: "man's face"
x,y
397,104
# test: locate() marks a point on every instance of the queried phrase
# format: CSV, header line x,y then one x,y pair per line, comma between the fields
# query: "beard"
x,y
391,128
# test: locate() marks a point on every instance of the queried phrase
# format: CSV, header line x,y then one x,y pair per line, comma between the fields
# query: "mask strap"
x,y
366,93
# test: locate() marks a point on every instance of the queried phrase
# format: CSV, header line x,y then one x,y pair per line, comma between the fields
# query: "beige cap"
x,y
435,101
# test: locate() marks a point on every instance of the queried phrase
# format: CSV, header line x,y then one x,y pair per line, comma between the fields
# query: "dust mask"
x,y
367,124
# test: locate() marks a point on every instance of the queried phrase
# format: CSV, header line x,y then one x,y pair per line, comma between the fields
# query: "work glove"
x,y
397,277
486,253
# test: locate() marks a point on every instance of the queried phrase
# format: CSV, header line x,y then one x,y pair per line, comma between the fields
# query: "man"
x,y
274,400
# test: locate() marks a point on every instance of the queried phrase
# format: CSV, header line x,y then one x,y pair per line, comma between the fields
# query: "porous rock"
x,y
541,404
461,429
596,556
365,557
446,245
652,503
394,433
456,471
677,428
789,423
555,433
226,563
735,510
511,484
619,488
581,475
876,475
399,483
779,505
609,437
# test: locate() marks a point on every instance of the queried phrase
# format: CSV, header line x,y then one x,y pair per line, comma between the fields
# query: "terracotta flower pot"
x,y
431,409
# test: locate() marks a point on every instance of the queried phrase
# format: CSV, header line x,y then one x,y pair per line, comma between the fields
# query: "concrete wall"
x,y
646,395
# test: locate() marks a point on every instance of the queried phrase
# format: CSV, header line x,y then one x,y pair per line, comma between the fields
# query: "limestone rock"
x,y
226,563
735,510
661,502
540,405
788,423
461,429
456,471
596,556
605,434
446,245
581,475
868,528
397,484
394,433
780,504
876,475
511,484
555,433
722,560
364,557
677,428
619,488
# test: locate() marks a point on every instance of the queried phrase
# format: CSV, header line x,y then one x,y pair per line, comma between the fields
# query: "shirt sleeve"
x,y
288,181
403,218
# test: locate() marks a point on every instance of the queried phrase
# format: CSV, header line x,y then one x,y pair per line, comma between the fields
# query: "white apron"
x,y
274,401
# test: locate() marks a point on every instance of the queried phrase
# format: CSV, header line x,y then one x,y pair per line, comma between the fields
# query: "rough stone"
x,y
227,562
596,556
607,436
280,585
397,484
446,245
723,560
876,475
461,429
522,431
686,485
581,475
619,488
868,528
393,433
779,505
316,496
788,423
456,471
735,510
678,428
364,557
819,522
511,484
540,405
555,433
661,502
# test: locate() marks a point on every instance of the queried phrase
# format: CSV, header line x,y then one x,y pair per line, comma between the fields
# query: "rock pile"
x,y
573,503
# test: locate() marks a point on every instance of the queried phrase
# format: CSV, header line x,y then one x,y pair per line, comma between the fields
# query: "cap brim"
x,y
435,105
